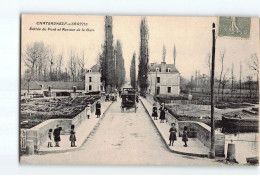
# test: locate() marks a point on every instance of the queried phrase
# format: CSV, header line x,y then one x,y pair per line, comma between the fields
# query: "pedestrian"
x,y
120,93
155,113
50,138
172,136
98,109
88,111
56,135
72,136
162,113
185,135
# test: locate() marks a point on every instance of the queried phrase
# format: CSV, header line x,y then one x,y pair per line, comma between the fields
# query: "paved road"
x,y
121,138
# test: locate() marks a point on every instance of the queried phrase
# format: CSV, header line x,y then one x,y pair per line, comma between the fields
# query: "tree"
x,y
240,80
253,65
249,84
72,65
224,82
133,72
232,78
108,61
143,58
174,55
81,65
222,55
35,55
120,68
163,53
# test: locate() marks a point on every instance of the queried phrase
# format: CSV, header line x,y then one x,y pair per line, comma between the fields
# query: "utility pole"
x,y
212,148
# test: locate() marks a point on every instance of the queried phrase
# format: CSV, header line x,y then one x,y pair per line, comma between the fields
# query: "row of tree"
x,y
111,60
42,64
225,79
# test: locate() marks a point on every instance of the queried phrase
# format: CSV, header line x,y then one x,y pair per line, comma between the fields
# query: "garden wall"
x,y
39,133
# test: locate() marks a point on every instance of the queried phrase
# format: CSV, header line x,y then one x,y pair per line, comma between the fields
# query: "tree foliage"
x,y
143,58
120,67
133,72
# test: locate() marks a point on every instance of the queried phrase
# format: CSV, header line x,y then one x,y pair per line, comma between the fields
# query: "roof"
x,y
35,85
153,66
95,68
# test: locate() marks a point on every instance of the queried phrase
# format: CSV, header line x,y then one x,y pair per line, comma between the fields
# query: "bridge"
x,y
117,137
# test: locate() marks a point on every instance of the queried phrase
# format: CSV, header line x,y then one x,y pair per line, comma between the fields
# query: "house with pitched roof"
x,y
93,79
163,79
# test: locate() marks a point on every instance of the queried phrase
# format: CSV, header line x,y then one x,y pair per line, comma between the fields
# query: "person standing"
x,y
172,136
162,113
56,134
72,136
98,109
88,112
185,135
50,138
155,113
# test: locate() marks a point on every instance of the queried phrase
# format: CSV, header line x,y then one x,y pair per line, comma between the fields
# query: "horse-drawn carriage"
x,y
129,99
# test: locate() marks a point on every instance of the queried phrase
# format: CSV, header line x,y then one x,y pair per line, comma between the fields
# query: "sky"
x,y
192,37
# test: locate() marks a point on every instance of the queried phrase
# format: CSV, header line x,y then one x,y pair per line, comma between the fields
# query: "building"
x,y
93,79
163,79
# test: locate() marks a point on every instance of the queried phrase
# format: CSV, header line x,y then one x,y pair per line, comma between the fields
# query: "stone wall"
x,y
39,133
203,133
200,130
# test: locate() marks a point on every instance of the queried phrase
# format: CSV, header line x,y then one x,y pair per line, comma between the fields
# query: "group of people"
x,y
173,130
98,110
162,110
55,136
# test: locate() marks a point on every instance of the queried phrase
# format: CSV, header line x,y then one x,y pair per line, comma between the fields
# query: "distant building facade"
x,y
93,79
163,79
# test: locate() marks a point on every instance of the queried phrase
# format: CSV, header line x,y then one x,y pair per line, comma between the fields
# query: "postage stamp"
x,y
237,27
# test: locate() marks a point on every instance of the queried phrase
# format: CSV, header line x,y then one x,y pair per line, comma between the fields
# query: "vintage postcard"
x,y
139,90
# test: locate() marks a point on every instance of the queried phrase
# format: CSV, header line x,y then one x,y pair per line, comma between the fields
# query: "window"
x,y
90,87
90,79
90,70
158,79
101,88
157,69
100,79
169,70
169,89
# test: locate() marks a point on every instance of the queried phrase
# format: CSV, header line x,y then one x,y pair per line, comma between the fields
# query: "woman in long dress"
x,y
162,113
98,109
155,113
172,136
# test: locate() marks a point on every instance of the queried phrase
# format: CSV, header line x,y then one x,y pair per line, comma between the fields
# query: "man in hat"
x,y
56,135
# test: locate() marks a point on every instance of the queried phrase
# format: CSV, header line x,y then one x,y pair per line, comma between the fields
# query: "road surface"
x,y
122,138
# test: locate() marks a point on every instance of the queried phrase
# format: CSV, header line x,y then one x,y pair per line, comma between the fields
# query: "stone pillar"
x,y
30,147
231,152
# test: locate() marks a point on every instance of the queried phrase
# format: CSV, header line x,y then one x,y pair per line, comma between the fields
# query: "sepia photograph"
x,y
139,90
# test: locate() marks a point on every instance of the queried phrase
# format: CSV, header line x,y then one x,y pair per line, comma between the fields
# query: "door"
x,y
158,90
